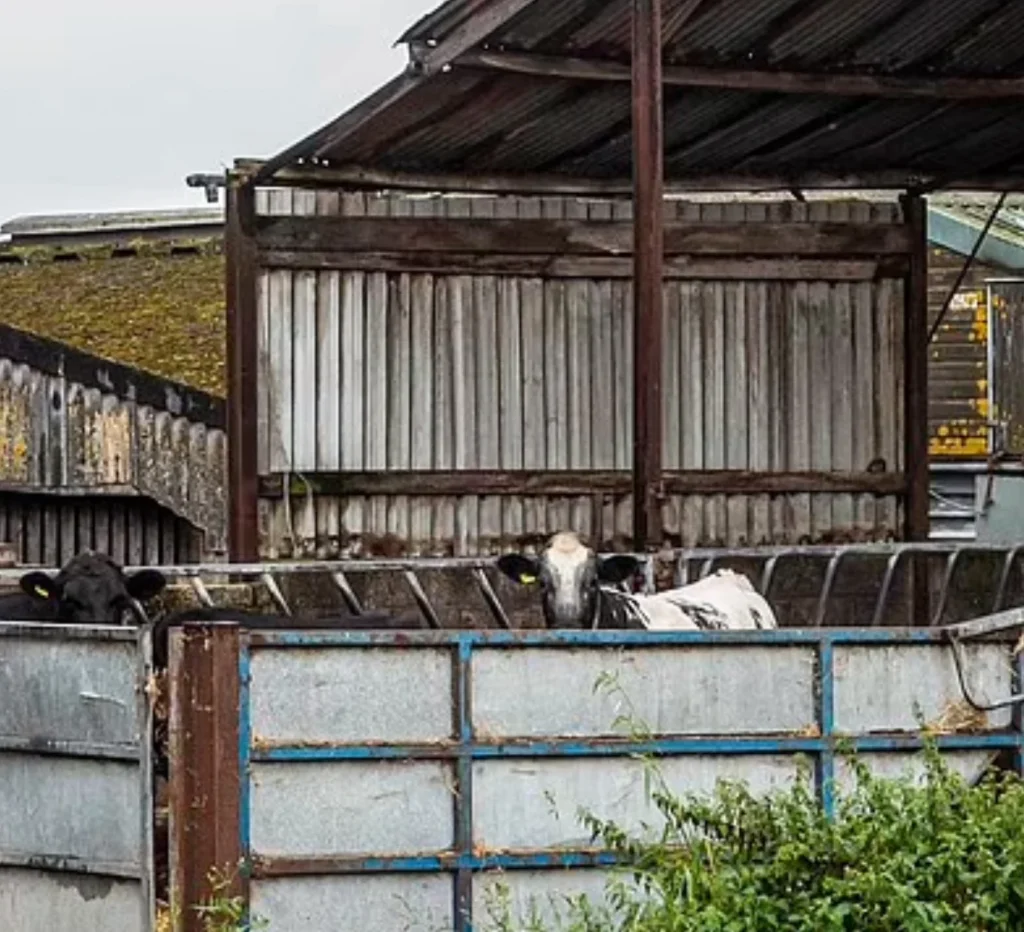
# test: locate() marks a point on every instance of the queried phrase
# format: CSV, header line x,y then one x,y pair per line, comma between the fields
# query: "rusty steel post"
x,y
242,374
205,778
915,400
648,310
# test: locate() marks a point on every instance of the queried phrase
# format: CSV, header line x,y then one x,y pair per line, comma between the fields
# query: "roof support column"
x,y
242,362
648,309
915,398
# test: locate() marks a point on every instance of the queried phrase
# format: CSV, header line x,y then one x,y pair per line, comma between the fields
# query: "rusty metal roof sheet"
x,y
469,118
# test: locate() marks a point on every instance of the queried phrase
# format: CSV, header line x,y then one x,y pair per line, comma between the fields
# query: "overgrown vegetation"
x,y
221,911
925,854
160,313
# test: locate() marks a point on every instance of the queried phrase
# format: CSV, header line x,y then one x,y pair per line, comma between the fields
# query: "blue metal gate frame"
x,y
463,861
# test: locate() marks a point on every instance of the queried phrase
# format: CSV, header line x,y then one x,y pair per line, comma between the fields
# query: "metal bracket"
x,y
979,627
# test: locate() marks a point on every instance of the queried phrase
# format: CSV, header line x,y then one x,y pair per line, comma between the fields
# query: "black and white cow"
x,y
90,589
577,591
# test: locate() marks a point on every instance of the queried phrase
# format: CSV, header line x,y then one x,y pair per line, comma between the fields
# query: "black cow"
x,y
90,589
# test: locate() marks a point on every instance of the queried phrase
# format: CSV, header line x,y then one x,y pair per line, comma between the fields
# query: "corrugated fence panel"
x,y
49,530
72,459
460,372
75,848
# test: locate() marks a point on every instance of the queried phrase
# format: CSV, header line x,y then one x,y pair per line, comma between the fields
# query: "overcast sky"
x,y
108,104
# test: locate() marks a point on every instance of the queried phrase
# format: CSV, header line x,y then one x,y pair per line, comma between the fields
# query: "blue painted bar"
x,y
463,801
244,751
668,747
533,860
782,637
827,699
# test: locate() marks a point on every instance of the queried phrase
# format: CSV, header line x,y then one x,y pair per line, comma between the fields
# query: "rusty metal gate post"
x,y
915,401
205,777
648,248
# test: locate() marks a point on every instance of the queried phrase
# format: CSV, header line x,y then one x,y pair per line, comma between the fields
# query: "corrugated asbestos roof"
x,y
147,294
474,119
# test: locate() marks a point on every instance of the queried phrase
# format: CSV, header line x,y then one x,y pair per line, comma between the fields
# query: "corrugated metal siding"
x,y
49,530
375,371
59,438
1008,365
958,359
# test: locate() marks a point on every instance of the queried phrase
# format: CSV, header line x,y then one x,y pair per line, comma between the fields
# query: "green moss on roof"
x,y
156,311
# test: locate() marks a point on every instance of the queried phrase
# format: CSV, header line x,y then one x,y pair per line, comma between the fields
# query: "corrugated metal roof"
x,y
471,118
110,221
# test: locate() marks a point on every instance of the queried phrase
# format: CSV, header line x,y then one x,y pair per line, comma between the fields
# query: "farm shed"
x,y
528,103
112,326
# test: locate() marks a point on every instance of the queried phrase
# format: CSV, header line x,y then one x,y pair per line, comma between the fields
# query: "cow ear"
x,y
40,586
145,584
617,568
521,569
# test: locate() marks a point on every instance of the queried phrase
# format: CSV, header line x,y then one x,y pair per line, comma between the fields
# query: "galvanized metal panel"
x,y
355,903
33,900
997,507
893,765
698,690
352,695
82,691
377,808
535,804
877,688
534,899
1007,362
71,812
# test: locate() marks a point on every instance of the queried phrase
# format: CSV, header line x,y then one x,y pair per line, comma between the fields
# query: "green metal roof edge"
x,y
955,230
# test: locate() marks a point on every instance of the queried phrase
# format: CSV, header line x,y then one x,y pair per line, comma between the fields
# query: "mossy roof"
x,y
157,306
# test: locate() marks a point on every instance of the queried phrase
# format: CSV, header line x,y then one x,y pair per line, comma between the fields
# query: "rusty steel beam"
x,y
648,250
915,395
242,362
205,777
486,17
757,80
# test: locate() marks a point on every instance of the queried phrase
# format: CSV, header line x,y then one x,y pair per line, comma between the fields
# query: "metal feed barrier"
x,y
686,565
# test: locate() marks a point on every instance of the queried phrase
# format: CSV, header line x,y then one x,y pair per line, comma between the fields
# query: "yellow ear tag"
x,y
41,592
526,579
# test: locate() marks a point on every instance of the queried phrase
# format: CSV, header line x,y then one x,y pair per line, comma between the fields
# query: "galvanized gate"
x,y
75,780
388,780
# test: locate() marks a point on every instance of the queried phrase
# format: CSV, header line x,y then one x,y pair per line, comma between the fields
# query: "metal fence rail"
x,y
767,568
415,764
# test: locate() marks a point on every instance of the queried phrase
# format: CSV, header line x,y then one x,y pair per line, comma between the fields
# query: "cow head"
x,y
92,589
569,574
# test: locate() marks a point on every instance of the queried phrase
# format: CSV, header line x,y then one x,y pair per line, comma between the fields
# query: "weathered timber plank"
x,y
564,237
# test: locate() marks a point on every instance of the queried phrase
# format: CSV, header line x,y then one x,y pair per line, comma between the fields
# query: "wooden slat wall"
x,y
366,371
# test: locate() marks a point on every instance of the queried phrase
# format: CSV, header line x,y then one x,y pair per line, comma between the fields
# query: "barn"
x,y
489,391
111,399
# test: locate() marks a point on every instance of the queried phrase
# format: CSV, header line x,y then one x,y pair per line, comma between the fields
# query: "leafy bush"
x,y
932,854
